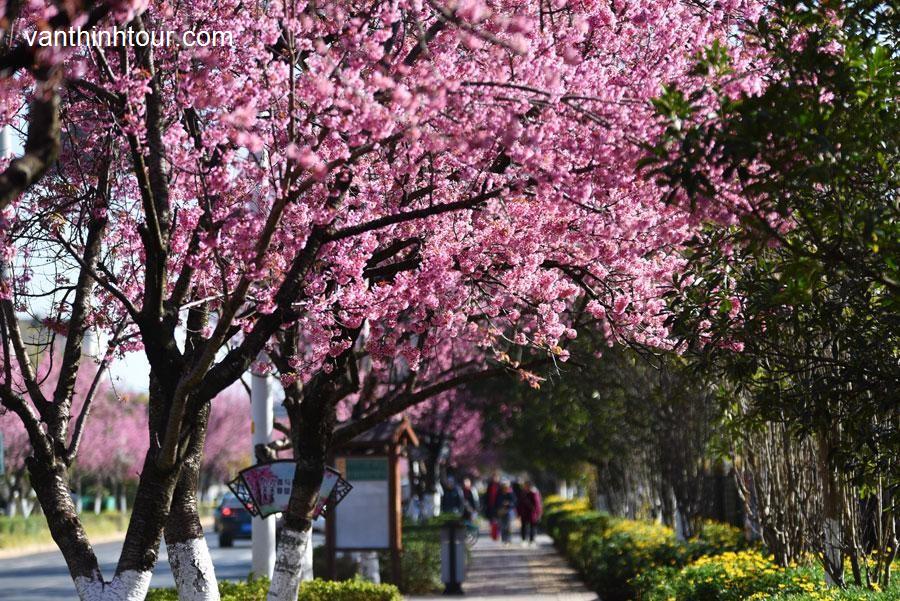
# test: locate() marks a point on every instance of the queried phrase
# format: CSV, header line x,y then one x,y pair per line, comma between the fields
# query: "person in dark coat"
x,y
505,508
529,508
452,501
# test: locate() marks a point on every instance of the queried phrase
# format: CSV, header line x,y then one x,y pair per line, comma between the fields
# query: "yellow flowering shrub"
x,y
732,576
626,559
716,537
834,594
627,549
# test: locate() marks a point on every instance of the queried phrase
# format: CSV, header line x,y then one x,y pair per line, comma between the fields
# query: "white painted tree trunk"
x,y
369,568
431,505
192,567
289,558
306,571
681,523
127,586
25,506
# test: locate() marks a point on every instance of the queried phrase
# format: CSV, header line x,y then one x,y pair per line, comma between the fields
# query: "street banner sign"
x,y
265,488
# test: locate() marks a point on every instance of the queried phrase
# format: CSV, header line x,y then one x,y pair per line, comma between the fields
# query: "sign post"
x,y
263,531
370,520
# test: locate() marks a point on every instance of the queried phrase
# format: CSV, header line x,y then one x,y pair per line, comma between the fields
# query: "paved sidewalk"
x,y
517,573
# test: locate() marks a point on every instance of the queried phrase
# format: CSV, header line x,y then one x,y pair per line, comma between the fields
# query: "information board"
x,y
362,520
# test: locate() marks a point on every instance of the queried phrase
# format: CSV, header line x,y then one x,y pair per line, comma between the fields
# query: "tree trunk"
x,y
832,554
312,426
51,484
145,528
289,564
192,567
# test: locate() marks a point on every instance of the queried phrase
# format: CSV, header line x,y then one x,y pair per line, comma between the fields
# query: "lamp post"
x,y
263,530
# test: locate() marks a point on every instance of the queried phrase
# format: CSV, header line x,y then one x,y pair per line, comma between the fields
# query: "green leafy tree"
x,y
645,424
807,286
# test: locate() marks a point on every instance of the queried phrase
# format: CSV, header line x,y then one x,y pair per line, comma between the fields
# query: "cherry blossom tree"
x,y
396,196
110,443
115,439
449,419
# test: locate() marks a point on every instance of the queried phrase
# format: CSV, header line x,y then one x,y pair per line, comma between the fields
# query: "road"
x,y
44,577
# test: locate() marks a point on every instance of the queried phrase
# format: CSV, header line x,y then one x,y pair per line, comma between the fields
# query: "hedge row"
x,y
611,553
313,590
626,559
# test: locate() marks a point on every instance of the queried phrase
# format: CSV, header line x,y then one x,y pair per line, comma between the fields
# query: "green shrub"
x,y
345,567
716,537
626,559
420,566
619,558
420,561
851,594
611,561
730,576
350,590
313,590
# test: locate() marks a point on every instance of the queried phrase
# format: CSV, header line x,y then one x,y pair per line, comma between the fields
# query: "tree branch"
x,y
83,289
381,222
41,147
349,431
25,367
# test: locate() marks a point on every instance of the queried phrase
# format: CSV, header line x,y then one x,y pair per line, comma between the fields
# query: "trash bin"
x,y
453,557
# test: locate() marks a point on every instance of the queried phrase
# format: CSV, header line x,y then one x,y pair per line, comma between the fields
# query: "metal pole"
x,y
261,410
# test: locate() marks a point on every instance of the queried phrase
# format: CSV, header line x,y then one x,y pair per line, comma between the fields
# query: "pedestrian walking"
x,y
470,500
489,504
506,508
529,508
452,501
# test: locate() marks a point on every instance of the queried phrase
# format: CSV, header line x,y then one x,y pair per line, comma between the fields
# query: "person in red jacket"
x,y
489,501
529,509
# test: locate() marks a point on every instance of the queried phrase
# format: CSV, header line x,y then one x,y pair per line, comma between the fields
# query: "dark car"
x,y
232,521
